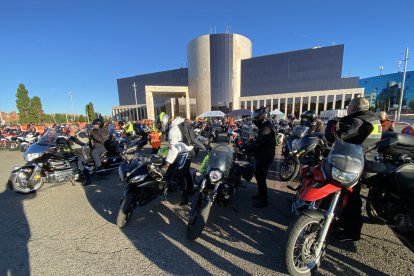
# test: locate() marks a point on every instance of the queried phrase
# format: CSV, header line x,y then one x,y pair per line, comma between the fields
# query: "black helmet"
x,y
259,116
98,121
309,115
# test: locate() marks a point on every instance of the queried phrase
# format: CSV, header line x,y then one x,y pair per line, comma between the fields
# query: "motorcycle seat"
x,y
242,163
157,160
404,176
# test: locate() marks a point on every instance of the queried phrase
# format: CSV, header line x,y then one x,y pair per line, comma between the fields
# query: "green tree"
x,y
81,119
23,104
90,111
36,110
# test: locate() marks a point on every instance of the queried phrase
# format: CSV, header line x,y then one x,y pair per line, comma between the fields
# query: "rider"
x,y
361,127
386,123
310,119
264,150
127,126
98,137
77,148
181,138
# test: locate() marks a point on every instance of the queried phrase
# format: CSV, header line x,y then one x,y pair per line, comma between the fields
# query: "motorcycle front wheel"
x,y
200,211
300,255
289,169
17,183
13,146
126,209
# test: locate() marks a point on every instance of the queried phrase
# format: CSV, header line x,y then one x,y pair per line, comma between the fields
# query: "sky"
x,y
81,47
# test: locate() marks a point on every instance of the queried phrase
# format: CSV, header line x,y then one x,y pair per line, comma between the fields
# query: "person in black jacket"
x,y
98,137
264,151
361,127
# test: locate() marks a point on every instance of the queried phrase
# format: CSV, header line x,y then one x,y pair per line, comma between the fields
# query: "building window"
x,y
268,103
275,102
242,104
283,105
305,101
348,98
313,103
249,105
321,103
338,103
262,103
297,107
329,105
289,106
254,105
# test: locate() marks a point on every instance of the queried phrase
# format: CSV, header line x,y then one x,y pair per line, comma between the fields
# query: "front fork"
x,y
329,216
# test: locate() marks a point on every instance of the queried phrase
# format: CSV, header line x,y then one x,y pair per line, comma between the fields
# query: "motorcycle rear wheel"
x,y
126,209
15,182
289,169
300,255
199,214
13,146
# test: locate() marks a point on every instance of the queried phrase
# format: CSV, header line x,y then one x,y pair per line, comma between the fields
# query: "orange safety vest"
x,y
155,139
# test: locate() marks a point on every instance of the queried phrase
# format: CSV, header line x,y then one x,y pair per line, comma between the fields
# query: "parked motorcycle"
x,y
220,180
26,140
289,166
391,194
282,134
327,191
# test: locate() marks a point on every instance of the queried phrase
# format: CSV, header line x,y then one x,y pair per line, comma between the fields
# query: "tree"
x,y
36,110
81,119
90,111
23,104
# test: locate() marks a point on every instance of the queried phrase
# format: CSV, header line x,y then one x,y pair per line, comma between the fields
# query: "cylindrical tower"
x,y
214,70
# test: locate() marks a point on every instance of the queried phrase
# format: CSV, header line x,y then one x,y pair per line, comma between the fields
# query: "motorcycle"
x,y
282,133
326,192
144,181
220,180
391,194
289,166
26,140
48,160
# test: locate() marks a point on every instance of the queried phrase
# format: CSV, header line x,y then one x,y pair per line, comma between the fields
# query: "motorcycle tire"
x,y
15,185
13,146
286,174
279,140
126,209
200,211
300,259
23,148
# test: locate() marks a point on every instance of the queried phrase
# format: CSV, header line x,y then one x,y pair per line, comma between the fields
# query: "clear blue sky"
x,y
54,47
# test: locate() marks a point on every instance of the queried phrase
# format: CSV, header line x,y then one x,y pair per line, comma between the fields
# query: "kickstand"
x,y
73,182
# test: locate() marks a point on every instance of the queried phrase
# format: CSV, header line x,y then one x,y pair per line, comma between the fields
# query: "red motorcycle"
x,y
322,194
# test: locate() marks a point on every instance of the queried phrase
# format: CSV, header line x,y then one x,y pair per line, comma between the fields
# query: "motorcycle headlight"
x,y
215,175
343,177
295,144
31,156
138,178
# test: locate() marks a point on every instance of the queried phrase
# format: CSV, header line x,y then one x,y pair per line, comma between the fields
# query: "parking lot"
x,y
67,229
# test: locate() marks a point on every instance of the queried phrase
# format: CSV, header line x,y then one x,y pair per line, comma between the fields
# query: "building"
x,y
376,85
223,75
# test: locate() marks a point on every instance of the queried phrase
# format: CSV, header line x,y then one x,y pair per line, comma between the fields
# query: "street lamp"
x,y
136,103
71,100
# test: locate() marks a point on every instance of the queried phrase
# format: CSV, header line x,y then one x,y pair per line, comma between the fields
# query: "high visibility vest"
x,y
155,139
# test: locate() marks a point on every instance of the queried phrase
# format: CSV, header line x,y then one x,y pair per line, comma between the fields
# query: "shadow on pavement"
x,y
14,234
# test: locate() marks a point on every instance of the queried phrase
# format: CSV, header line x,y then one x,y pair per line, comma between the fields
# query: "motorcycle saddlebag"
x,y
396,144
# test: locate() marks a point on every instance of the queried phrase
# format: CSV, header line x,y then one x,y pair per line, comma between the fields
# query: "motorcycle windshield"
x,y
346,157
221,158
48,138
299,131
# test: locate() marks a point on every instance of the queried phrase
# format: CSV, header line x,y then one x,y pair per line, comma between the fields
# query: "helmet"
x,y
125,119
259,116
98,121
121,123
163,119
309,115
291,116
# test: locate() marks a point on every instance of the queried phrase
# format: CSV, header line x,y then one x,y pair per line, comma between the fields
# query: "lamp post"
x,y
71,100
136,103
403,85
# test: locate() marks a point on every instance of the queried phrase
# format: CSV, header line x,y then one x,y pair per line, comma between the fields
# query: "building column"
x,y
343,101
286,105
293,105
334,103
325,104
149,99
271,104
172,102
317,105
187,106
300,105
278,104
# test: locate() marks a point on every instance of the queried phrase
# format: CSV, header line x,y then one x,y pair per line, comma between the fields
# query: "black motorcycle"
x,y
144,181
48,160
391,194
221,177
290,164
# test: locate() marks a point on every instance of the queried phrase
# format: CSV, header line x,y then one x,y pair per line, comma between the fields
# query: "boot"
x,y
86,178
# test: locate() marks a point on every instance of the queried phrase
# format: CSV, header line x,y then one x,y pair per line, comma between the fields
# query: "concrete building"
x,y
223,75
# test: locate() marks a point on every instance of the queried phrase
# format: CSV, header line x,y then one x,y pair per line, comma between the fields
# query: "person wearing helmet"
x,y
360,127
98,137
263,148
310,119
386,123
127,126
181,138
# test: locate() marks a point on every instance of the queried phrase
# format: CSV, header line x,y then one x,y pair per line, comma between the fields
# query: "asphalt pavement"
x,y
66,229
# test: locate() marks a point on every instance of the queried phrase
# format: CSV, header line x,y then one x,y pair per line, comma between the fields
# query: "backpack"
x,y
187,133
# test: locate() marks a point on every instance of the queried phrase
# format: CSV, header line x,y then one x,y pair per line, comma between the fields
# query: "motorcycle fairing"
x,y
314,192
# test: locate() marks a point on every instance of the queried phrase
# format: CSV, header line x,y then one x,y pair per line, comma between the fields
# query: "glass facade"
x,y
380,83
